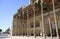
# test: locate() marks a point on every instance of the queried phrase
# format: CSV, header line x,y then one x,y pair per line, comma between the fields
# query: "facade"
x,y
37,19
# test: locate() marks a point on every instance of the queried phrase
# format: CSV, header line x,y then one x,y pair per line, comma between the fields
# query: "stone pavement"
x,y
6,36
25,37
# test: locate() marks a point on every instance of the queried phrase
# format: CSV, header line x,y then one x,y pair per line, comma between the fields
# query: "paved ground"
x,y
25,37
6,36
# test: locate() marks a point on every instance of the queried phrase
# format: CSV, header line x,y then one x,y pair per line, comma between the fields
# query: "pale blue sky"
x,y
7,9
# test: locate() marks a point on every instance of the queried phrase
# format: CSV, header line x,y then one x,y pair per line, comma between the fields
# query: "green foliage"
x,y
0,30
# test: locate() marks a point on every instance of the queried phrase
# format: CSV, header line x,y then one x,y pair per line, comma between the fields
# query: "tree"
x,y
0,30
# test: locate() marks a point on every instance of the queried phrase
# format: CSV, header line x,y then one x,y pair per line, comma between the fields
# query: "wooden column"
x,y
34,20
27,24
40,29
55,19
18,24
14,31
13,28
22,21
17,27
50,27
42,18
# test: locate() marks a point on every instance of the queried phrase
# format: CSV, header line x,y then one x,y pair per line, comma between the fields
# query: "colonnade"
x,y
26,22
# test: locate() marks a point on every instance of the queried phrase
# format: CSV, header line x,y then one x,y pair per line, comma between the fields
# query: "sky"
x,y
7,9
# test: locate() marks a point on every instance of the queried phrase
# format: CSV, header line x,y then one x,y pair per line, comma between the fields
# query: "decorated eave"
x,y
17,13
30,10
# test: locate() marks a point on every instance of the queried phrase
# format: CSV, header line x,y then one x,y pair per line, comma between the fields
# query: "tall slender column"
x,y
16,27
19,25
42,18
13,28
14,31
27,24
40,29
22,21
50,27
55,19
34,20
